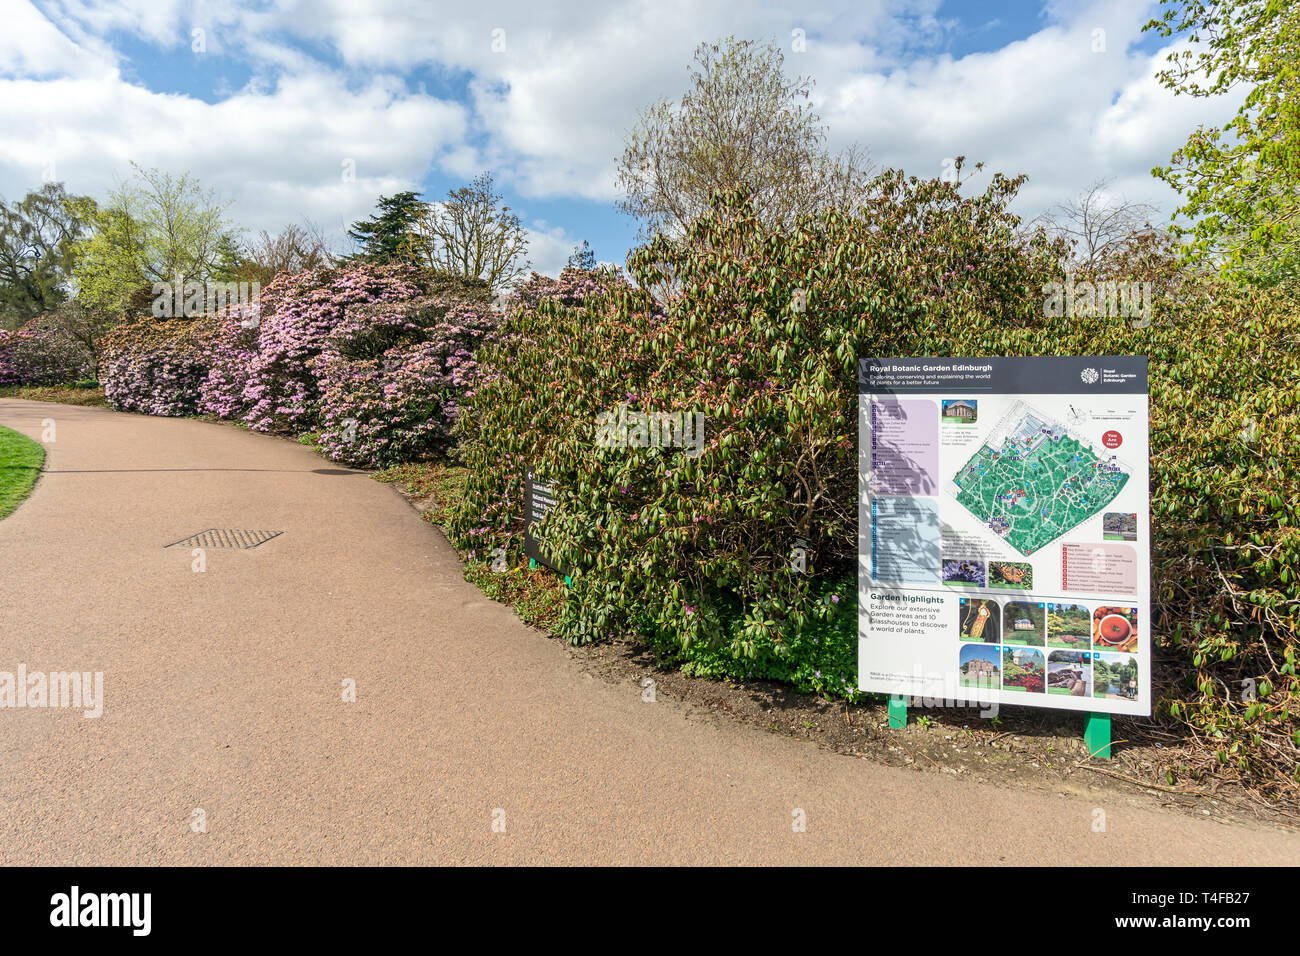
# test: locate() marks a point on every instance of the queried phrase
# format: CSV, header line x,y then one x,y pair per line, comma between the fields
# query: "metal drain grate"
x,y
226,538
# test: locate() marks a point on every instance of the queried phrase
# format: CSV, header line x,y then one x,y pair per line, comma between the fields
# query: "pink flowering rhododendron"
x,y
298,312
41,353
157,366
363,354
392,378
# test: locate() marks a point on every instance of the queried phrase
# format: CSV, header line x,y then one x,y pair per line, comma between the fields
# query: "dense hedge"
x,y
696,549
1225,506
373,358
761,335
229,355
42,353
299,310
392,377
157,366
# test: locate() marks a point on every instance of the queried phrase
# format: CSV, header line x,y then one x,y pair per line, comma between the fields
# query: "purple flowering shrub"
x,y
158,366
298,312
8,374
393,375
42,353
573,287
362,354
230,354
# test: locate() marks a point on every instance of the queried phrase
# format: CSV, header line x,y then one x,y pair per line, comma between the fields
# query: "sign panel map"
x,y
1004,531
1032,480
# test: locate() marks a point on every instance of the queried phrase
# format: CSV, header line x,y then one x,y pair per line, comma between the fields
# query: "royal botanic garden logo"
x,y
1089,375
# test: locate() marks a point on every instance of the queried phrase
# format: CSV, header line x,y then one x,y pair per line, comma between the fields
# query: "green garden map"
x,y
1031,481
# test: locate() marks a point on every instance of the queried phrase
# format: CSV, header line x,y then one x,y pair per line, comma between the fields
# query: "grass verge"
x,y
535,594
20,465
63,394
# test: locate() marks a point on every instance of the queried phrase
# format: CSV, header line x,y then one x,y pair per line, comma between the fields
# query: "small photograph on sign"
x,y
1011,575
1069,673
1115,676
1022,669
978,619
1119,526
1024,622
964,572
1069,626
981,666
960,411
1115,628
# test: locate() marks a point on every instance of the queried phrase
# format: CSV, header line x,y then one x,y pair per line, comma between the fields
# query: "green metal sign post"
x,y
1096,735
898,711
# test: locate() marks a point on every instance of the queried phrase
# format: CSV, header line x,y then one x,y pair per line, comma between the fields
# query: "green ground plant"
x,y
20,466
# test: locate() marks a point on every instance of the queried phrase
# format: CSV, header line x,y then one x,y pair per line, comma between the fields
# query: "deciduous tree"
x,y
155,228
1097,226
1240,183
472,234
38,234
296,248
742,124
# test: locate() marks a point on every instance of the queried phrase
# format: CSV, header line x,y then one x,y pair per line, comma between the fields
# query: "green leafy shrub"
x,y
762,336
1225,505
822,657
762,333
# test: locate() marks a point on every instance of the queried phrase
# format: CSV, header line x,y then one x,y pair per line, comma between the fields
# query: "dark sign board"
x,y
539,501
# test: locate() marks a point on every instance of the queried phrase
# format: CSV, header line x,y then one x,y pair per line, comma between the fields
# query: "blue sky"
x,y
269,102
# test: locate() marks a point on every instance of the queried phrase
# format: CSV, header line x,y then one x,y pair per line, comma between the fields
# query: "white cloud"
x,y
1048,106
336,80
549,248
31,45
278,156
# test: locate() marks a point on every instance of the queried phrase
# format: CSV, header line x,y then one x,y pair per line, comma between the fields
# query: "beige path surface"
x,y
223,692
